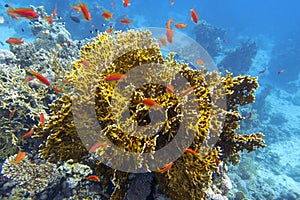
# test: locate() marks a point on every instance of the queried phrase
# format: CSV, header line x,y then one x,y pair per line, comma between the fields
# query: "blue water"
x,y
275,27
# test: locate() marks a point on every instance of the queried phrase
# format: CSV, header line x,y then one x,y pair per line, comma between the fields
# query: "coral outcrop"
x,y
30,176
118,109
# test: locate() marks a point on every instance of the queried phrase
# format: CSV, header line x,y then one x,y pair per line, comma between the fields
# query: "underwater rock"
x,y
209,37
74,172
31,177
140,188
239,60
6,56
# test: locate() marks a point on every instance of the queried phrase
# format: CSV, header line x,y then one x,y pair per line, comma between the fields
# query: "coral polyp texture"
x,y
121,115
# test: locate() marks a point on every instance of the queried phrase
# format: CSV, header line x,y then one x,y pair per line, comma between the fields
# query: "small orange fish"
x,y
66,81
169,34
28,13
114,77
42,78
106,15
28,134
125,21
85,63
170,89
180,25
96,146
194,16
190,151
20,156
57,90
200,62
76,8
54,13
49,19
187,91
172,2
126,3
166,168
93,178
14,41
163,41
168,24
11,114
217,161
109,30
150,103
85,11
42,119
27,79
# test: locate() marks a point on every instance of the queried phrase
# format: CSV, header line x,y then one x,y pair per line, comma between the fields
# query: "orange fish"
x,y
200,62
109,30
11,114
28,13
49,19
54,13
20,156
163,41
14,41
28,79
194,16
93,178
42,78
114,77
106,15
96,146
169,34
126,3
28,134
166,168
168,24
190,151
76,8
125,21
180,25
187,91
85,63
66,81
85,11
42,119
172,2
217,161
170,89
150,103
57,90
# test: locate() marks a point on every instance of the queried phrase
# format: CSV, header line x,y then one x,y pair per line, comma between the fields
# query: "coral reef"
x,y
239,60
209,37
30,176
121,53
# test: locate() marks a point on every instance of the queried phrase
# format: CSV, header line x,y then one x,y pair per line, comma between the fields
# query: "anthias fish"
x,y
106,15
166,168
93,178
194,16
42,78
20,156
28,134
85,11
14,41
28,13
114,77
96,146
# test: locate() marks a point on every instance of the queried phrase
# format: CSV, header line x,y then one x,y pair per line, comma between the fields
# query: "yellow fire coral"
x,y
134,135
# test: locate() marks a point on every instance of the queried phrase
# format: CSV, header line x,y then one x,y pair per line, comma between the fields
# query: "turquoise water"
x,y
265,38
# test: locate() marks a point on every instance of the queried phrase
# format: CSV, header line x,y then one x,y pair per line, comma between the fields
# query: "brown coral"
x,y
98,111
